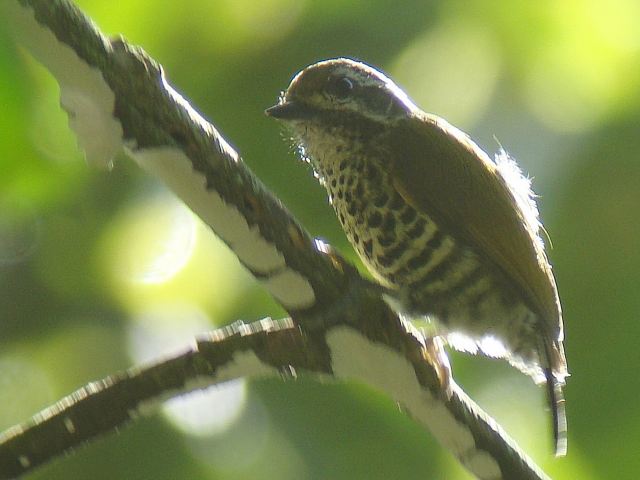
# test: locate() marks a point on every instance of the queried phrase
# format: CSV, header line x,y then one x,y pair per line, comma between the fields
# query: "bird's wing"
x,y
458,185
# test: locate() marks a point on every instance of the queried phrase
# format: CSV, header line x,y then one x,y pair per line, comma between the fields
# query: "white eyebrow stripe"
x,y
368,77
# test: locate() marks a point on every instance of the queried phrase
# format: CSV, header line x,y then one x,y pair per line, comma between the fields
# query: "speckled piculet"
x,y
443,228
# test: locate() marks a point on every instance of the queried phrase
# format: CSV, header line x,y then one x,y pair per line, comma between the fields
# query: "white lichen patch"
x,y
480,461
353,356
290,288
244,364
24,461
69,425
84,94
174,168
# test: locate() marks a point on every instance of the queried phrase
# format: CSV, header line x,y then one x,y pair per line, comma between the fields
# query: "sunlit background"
x,y
103,270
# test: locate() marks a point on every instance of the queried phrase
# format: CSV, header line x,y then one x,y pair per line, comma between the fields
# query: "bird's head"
x,y
341,88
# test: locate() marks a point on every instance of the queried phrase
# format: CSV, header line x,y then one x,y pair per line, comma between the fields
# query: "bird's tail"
x,y
555,372
558,415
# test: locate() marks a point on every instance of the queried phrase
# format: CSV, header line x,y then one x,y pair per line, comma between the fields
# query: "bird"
x,y
448,232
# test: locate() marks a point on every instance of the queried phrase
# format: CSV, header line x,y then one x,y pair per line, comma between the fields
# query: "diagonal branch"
x,y
262,349
117,99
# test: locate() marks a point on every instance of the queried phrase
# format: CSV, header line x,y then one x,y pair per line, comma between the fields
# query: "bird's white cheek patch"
x,y
84,94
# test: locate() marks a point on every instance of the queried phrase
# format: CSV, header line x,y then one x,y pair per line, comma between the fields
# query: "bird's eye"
x,y
340,87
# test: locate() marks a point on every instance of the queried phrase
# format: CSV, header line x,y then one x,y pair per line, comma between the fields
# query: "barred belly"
x,y
423,267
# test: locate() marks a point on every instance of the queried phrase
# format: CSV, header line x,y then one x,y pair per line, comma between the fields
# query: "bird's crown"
x,y
344,85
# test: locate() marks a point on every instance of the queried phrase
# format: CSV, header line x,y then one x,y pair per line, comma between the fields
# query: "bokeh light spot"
x,y
210,411
20,234
50,133
24,388
157,251
451,71
223,25
164,329
155,239
264,21
586,68
254,448
170,329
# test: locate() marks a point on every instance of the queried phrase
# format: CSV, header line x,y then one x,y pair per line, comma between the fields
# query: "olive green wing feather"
x,y
459,186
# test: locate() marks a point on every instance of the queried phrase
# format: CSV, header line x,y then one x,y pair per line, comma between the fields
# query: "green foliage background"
x,y
93,276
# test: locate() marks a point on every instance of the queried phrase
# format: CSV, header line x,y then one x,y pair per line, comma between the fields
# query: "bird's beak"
x,y
288,110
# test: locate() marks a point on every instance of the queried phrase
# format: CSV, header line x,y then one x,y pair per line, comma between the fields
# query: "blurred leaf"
x,y
556,82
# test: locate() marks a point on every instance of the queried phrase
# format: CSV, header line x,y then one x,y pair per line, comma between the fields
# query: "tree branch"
x,y
262,349
117,99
